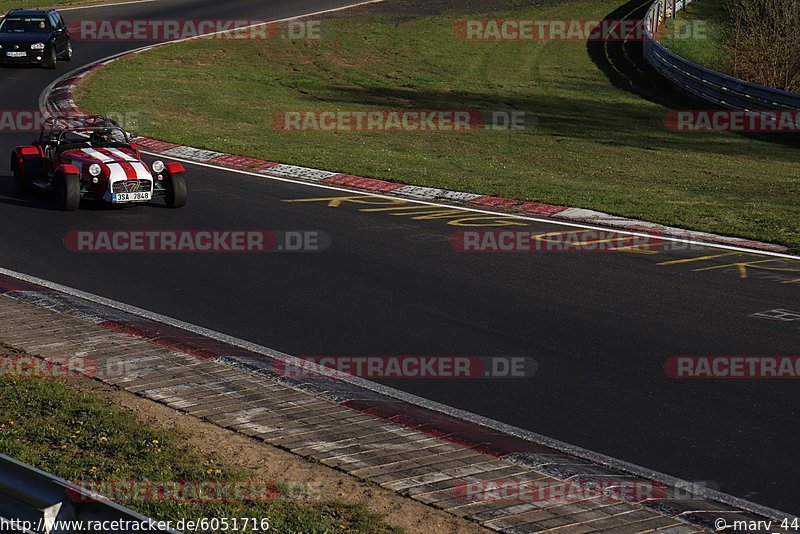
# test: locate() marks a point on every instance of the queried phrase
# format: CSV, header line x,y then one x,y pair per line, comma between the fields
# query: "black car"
x,y
34,36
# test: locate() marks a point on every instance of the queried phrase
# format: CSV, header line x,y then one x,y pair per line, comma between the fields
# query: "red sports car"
x,y
95,160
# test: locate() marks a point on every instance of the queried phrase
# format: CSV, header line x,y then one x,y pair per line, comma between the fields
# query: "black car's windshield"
x,y
25,25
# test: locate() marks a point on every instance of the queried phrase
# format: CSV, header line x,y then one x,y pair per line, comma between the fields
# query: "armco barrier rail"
x,y
715,87
34,502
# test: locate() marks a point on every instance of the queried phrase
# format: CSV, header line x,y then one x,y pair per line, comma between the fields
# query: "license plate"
x,y
131,197
16,54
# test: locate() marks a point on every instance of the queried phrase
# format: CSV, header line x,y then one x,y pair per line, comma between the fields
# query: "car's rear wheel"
x,y
67,55
176,191
51,61
68,191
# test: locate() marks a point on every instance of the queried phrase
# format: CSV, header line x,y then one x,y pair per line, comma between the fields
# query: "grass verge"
x,y
595,145
55,427
700,33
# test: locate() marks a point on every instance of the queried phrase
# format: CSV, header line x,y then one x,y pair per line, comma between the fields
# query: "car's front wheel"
x,y
67,55
68,191
52,60
176,191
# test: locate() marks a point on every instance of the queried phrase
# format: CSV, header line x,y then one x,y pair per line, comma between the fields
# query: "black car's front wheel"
x,y
52,60
176,191
67,55
68,191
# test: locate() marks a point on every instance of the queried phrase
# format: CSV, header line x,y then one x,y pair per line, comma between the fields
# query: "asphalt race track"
x,y
599,325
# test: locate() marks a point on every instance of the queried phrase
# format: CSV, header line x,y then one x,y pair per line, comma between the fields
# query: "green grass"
x,y
699,33
595,146
78,437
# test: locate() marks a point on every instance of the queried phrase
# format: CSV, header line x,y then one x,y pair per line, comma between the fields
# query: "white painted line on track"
x,y
551,220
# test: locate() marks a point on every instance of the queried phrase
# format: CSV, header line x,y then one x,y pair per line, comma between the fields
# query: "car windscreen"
x,y
25,25
86,135
74,137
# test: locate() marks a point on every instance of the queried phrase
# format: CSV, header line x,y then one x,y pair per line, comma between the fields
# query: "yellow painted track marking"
x,y
740,266
697,258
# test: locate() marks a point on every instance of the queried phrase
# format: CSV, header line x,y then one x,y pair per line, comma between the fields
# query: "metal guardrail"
x,y
712,86
32,502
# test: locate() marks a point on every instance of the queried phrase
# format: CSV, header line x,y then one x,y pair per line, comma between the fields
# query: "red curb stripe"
x,y
178,340
757,245
153,145
447,428
242,162
540,209
496,202
518,205
8,284
174,338
358,182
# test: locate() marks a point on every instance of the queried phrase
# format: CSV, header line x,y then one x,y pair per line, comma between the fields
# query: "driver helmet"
x,y
107,136
117,136
101,136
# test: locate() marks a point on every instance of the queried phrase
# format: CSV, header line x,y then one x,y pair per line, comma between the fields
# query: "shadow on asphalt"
x,y
41,200
10,196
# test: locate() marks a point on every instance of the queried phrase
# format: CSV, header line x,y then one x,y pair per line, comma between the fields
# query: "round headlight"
x,y
37,46
95,170
158,166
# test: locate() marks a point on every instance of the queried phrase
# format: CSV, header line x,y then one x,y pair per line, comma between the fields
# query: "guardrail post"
x,y
658,18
